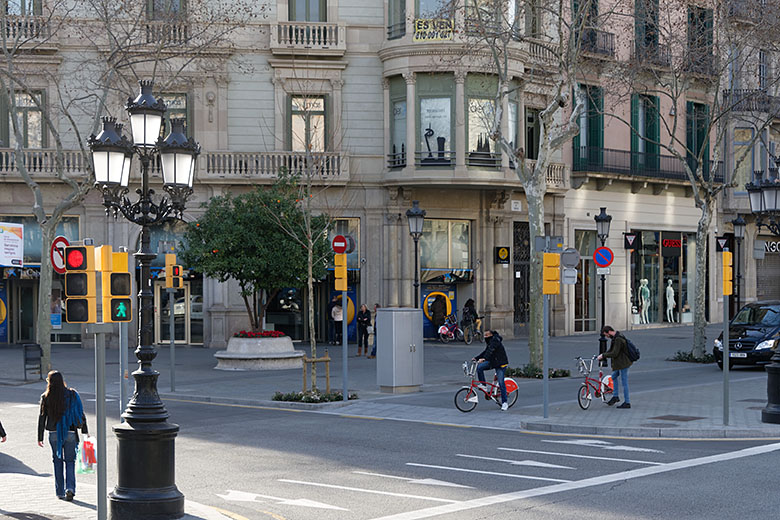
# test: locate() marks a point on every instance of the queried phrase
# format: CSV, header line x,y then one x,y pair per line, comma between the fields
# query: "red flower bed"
x,y
260,334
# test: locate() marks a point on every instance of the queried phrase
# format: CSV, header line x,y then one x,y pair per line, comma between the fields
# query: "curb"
x,y
289,405
662,433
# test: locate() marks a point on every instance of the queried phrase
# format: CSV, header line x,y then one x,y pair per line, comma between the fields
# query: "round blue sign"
x,y
603,256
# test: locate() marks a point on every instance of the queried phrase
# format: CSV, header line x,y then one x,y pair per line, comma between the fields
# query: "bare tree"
x,y
707,67
110,45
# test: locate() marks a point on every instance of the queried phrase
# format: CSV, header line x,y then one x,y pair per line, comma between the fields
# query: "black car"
x,y
753,335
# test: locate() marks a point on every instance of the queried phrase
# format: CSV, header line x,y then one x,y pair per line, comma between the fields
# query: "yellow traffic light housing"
x,y
728,273
551,273
173,273
340,271
117,290
80,285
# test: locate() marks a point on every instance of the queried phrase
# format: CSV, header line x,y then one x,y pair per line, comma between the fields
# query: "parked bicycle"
x,y
471,332
592,387
466,398
450,330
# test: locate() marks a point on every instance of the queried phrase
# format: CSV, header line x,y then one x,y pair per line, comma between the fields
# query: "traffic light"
x,y
173,272
728,273
551,273
117,288
80,304
340,271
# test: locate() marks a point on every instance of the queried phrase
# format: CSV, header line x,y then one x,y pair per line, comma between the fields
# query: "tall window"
x,y
445,244
23,7
744,172
700,40
645,123
29,120
480,112
435,121
696,135
533,18
763,69
589,142
646,27
398,109
308,10
431,8
176,108
307,123
164,9
532,130
396,18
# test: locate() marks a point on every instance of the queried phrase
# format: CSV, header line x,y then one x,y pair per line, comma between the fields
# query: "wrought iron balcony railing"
x,y
595,41
626,162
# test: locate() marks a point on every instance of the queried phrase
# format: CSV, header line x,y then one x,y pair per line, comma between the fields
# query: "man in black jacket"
x,y
493,357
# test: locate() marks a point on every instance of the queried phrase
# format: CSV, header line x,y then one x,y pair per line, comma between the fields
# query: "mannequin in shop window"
x,y
644,299
670,303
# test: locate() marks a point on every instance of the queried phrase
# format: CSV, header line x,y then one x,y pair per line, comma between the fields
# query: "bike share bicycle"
x,y
466,398
592,387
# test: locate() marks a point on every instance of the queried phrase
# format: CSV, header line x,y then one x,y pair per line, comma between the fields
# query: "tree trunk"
x,y
534,193
43,325
310,286
699,315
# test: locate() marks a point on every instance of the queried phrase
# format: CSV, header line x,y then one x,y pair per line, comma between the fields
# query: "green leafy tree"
x,y
236,239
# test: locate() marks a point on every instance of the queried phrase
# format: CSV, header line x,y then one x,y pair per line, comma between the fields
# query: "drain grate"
x,y
682,418
659,425
752,400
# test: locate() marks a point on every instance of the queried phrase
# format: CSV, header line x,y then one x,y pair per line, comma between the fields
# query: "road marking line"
x,y
581,484
531,463
581,456
236,516
25,406
493,473
370,418
373,491
604,445
426,481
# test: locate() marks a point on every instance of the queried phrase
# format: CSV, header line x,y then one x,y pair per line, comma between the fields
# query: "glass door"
x,y
586,297
24,310
182,314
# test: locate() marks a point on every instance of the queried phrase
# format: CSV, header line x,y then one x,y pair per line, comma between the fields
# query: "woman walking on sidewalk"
x,y
61,415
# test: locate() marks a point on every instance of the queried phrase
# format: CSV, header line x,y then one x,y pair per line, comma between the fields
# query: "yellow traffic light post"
x,y
728,276
551,284
80,286
173,281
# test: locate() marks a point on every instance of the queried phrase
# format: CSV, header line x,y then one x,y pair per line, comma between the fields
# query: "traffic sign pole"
x,y
172,332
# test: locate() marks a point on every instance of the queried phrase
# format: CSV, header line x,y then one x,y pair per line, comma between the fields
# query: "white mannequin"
x,y
670,303
644,296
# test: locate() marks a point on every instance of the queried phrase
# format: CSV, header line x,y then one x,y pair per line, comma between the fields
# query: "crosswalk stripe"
x,y
493,473
531,463
361,490
557,454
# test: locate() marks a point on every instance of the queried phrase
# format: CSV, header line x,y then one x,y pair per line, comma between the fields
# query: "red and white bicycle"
x,y
466,398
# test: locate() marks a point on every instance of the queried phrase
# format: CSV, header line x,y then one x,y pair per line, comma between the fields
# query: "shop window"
x,y
308,10
307,123
585,297
29,119
445,244
165,9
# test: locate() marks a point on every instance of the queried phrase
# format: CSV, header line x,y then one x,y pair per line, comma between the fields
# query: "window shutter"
x,y
640,18
653,119
703,122
689,136
575,142
323,11
595,126
635,158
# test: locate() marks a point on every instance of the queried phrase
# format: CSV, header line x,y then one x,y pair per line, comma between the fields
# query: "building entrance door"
x,y
522,266
182,314
24,311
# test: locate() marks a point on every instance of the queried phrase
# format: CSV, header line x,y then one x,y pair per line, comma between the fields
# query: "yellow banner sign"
x,y
428,30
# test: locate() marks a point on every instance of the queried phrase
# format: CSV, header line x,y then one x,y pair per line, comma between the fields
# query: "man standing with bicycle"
x,y
618,353
493,357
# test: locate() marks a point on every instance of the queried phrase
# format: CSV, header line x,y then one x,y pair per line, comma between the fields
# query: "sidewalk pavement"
x,y
30,497
669,399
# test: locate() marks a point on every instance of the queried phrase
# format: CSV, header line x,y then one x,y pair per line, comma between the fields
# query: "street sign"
x,y
629,240
339,244
603,256
57,254
602,270
569,275
570,257
721,243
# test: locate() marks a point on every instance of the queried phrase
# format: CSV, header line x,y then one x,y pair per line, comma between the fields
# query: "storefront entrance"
x,y
24,311
521,255
586,295
187,315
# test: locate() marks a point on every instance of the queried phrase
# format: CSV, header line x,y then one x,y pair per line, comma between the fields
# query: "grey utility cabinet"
x,y
399,350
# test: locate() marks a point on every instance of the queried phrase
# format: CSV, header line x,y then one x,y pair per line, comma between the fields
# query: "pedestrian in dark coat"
x,y
438,312
618,355
493,357
363,321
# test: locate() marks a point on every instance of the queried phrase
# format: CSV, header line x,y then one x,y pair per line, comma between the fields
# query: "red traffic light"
x,y
75,258
176,270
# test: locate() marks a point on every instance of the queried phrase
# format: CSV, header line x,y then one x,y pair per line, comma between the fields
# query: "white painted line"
x,y
557,454
26,406
532,463
241,496
604,445
580,484
493,473
424,481
361,490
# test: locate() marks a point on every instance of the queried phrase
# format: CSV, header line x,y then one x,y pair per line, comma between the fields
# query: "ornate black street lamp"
x,y
764,198
739,233
416,217
146,485
602,231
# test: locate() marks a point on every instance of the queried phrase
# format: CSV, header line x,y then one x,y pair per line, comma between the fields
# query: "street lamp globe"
x,y
755,196
146,116
111,155
416,217
178,155
602,225
739,227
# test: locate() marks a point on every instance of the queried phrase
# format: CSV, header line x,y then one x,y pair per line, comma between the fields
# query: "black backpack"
x,y
633,352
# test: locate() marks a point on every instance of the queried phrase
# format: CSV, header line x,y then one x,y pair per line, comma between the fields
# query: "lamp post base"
x,y
771,413
146,471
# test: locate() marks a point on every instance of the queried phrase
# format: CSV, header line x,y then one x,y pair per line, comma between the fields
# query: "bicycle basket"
x,y
470,369
583,368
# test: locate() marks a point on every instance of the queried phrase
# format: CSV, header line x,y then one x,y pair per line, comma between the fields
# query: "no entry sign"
x,y
339,244
603,256
57,254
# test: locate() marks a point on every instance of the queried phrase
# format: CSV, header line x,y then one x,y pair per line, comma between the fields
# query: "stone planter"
x,y
259,354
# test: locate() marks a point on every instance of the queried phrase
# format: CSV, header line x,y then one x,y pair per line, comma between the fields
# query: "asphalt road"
x,y
297,465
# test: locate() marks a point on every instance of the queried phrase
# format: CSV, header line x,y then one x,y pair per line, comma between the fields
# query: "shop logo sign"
x,y
772,247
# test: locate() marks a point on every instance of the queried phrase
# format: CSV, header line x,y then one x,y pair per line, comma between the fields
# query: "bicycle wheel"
x,y
511,399
461,397
584,397
468,337
459,335
443,337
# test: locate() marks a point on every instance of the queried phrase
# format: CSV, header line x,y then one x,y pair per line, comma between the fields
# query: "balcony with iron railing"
x,y
596,42
659,55
317,38
748,11
751,100
625,162
701,63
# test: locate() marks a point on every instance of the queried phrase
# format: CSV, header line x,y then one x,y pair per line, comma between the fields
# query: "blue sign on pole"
x,y
603,256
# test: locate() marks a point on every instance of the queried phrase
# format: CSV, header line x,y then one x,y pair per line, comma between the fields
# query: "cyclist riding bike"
x,y
470,315
493,357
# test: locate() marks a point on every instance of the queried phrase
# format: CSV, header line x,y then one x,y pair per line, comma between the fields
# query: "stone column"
x,y
460,119
411,119
521,120
392,259
487,264
337,137
499,275
505,130
280,110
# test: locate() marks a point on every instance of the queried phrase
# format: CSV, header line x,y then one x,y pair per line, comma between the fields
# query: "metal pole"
x,y
726,360
416,276
172,332
100,329
123,372
739,276
344,343
545,343
602,337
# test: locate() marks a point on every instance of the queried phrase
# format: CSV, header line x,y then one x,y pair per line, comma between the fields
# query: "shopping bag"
x,y
86,456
